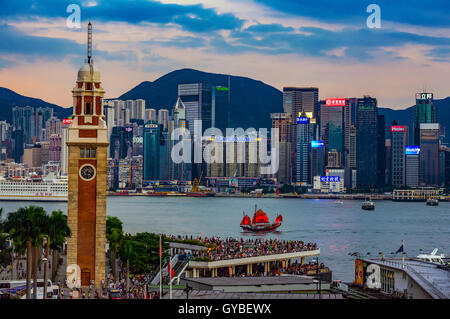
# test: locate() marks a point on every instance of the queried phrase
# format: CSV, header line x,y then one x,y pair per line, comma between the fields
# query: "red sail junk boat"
x,y
260,222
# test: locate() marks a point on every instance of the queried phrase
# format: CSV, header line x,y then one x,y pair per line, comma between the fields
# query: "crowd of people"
x,y
231,248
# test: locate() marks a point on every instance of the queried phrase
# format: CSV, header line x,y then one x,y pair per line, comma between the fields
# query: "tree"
x,y
127,253
114,234
5,252
57,231
25,227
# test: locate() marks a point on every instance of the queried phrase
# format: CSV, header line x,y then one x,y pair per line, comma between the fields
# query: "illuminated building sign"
x,y
398,128
232,139
67,121
335,102
221,88
412,150
424,96
151,125
330,179
128,129
302,120
308,114
315,144
138,139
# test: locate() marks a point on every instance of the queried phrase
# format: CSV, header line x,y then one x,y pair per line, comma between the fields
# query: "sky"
x,y
323,43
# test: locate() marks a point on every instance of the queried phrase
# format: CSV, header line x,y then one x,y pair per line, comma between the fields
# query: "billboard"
x,y
359,272
412,150
398,128
424,96
302,120
335,102
330,179
67,121
315,144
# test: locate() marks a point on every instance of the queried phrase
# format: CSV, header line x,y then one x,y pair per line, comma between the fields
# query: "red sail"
x,y
279,219
260,217
246,220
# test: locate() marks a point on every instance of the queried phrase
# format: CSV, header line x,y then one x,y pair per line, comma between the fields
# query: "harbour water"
x,y
339,229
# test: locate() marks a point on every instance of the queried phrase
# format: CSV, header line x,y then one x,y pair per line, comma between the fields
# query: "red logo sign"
x,y
398,128
336,102
67,121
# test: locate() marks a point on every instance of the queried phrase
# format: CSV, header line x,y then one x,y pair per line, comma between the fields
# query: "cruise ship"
x,y
34,188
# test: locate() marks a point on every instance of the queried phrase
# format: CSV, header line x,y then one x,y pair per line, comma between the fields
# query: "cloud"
x,y
430,13
193,18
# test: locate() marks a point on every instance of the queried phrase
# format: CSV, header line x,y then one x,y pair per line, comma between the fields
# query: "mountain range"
x,y
251,103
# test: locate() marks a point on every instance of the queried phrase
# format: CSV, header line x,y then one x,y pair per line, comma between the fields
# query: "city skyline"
x,y
331,48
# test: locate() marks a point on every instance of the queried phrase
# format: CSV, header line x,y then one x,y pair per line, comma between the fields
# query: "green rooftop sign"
x,y
221,88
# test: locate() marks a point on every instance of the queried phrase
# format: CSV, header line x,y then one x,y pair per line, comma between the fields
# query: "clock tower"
x,y
87,144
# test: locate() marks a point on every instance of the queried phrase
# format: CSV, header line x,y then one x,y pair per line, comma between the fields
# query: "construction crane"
x,y
196,184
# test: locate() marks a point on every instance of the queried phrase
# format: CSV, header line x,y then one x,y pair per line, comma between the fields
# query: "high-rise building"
x,y
220,116
64,149
429,154
129,105
55,148
152,139
197,98
317,158
412,154
121,142
424,112
140,109
150,115
21,120
297,100
399,141
303,150
332,129
367,142
52,127
283,122
163,117
381,153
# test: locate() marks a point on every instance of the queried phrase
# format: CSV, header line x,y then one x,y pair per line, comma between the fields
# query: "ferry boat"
x,y
260,222
432,202
434,258
368,205
34,188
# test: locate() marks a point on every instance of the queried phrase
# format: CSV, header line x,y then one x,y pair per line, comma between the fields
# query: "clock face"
x,y
87,172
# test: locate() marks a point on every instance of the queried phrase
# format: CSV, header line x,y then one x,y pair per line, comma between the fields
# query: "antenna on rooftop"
x,y
89,45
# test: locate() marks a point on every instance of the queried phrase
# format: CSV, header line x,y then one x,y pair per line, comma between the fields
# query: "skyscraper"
x,y
332,128
424,112
150,115
21,120
220,108
429,154
283,122
197,98
303,149
399,141
297,100
152,139
163,116
412,154
367,142
381,152
140,109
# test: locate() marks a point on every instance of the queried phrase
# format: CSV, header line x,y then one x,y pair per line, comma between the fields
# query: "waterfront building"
x,y
18,135
87,143
317,158
399,141
303,166
412,154
283,122
446,151
112,174
424,112
387,144
381,153
429,154
129,173
65,149
121,142
32,156
297,100
332,129
220,114
197,98
152,139
367,142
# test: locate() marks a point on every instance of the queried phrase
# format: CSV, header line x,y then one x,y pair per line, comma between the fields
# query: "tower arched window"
x,y
88,108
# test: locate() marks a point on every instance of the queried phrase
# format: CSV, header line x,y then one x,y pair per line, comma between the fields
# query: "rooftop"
x,y
434,280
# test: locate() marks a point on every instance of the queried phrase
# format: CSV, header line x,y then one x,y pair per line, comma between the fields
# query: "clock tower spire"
x,y
87,144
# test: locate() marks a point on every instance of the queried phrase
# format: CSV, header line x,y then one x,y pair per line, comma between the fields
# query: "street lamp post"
x,y
45,261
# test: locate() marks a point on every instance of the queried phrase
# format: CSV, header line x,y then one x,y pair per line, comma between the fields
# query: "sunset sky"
x,y
323,43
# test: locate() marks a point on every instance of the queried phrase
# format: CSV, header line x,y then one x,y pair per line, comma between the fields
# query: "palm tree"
x,y
57,230
114,234
5,253
25,227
